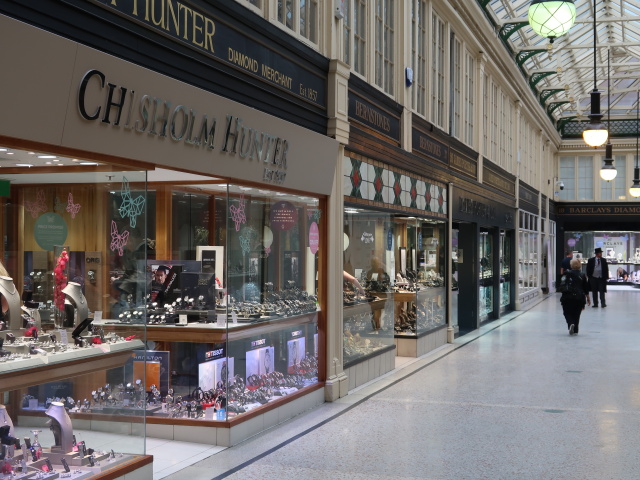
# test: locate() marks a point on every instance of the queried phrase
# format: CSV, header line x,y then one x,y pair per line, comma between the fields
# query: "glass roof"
x,y
569,64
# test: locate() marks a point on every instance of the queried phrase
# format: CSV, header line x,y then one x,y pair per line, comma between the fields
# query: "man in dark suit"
x,y
598,274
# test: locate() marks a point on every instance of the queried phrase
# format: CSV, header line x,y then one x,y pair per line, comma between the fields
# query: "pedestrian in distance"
x,y
598,274
575,295
566,262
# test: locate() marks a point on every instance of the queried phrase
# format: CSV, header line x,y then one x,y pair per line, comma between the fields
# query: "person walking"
x,y
598,274
566,262
575,296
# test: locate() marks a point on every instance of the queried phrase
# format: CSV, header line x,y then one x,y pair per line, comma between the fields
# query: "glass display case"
x,y
485,254
181,301
528,250
393,279
233,310
620,248
505,271
65,233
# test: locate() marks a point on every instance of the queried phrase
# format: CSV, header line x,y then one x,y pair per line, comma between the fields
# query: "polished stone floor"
x,y
517,399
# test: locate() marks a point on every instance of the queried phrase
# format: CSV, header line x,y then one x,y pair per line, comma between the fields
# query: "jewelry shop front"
x,y
165,255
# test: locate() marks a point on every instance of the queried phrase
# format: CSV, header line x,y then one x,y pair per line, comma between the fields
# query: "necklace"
x,y
4,287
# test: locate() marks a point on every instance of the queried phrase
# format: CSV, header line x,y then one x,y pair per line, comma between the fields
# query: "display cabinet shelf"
x,y
195,332
18,374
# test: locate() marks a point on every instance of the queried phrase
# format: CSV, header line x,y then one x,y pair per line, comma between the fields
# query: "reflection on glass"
x,y
393,279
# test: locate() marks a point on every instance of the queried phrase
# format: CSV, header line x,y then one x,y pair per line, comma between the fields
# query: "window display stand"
x,y
430,331
62,457
225,430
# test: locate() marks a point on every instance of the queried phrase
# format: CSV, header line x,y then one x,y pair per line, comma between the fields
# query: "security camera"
x,y
561,185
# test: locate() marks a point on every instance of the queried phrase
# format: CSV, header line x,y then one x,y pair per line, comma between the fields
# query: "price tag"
x,y
222,320
33,404
234,317
97,316
64,339
182,319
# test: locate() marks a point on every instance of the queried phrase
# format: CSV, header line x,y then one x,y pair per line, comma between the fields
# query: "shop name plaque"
x,y
198,30
430,147
495,180
463,164
124,108
593,210
476,209
372,116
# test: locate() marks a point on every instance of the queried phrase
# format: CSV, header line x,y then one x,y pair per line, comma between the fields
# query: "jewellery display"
x,y
285,303
74,297
27,459
61,427
13,315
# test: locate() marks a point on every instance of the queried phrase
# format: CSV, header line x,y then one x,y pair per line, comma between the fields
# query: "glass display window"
x,y
205,291
528,253
75,245
394,268
485,254
505,270
620,248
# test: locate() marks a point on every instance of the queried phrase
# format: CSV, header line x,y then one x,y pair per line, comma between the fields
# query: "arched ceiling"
x,y
563,77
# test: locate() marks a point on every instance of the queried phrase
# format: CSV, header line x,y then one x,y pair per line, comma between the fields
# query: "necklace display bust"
x,y
61,427
5,419
10,293
73,292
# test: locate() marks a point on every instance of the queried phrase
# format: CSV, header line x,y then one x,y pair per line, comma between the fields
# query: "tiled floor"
x,y
517,399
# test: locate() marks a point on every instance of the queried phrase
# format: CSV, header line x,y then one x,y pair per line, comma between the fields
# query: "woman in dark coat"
x,y
574,300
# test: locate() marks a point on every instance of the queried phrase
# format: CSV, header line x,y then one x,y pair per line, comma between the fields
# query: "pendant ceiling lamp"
x,y
608,172
635,188
552,18
595,134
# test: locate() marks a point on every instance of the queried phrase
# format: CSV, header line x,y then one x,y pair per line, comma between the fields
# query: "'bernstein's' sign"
x,y
143,113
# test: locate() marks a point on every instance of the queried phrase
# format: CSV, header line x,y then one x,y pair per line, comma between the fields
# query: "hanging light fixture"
x,y
635,188
595,134
552,18
608,172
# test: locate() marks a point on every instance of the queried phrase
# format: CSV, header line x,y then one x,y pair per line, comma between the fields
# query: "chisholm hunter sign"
x,y
125,108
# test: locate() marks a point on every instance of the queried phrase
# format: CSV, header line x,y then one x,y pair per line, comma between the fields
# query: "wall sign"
x,y
50,229
496,179
201,31
314,238
473,208
528,198
127,109
430,147
367,113
591,209
463,164
283,216
310,158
